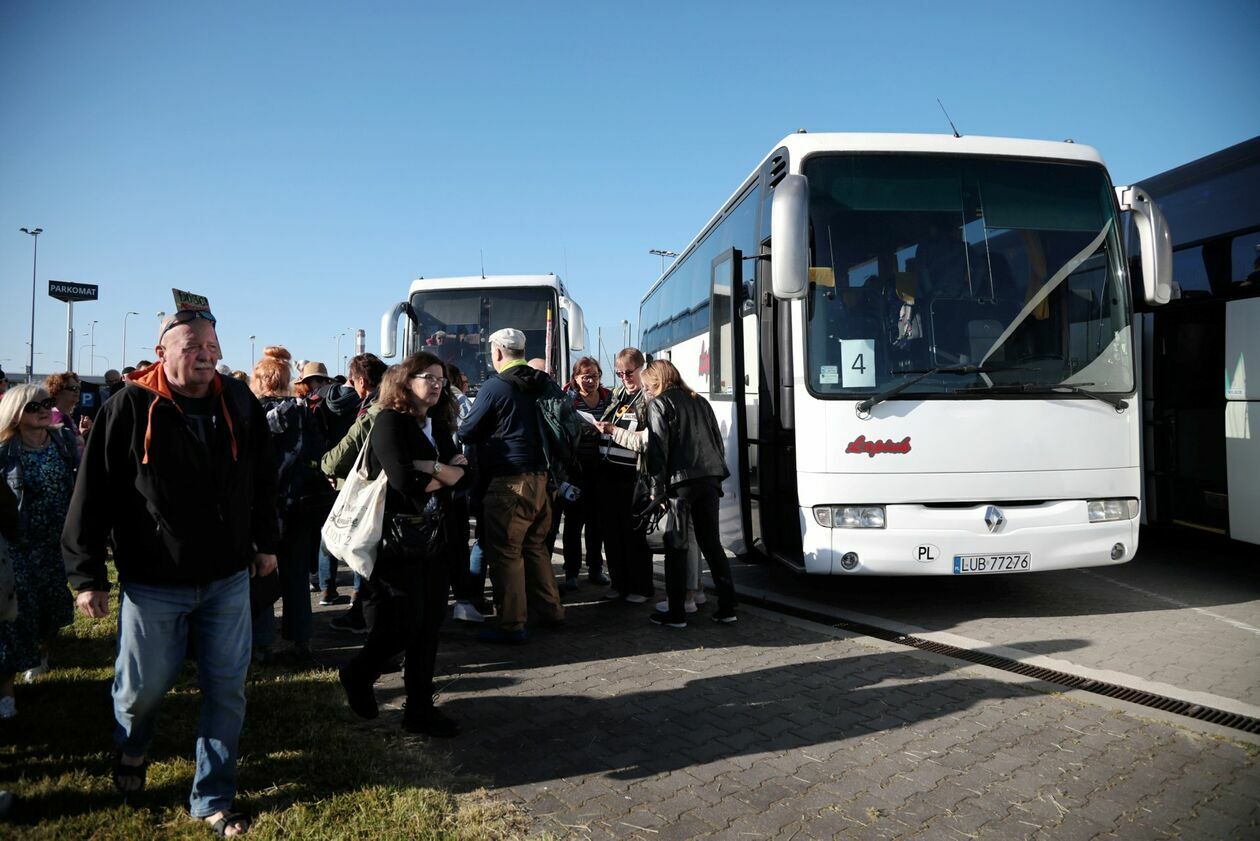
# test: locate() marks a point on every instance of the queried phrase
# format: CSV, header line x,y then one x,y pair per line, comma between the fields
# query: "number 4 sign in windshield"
x,y
857,363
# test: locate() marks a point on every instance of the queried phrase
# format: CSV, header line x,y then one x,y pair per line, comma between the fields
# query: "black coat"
x,y
179,512
684,442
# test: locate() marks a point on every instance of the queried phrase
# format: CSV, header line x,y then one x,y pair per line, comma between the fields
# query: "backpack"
x,y
561,429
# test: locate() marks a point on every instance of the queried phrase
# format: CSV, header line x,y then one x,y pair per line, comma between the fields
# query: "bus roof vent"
x,y
778,168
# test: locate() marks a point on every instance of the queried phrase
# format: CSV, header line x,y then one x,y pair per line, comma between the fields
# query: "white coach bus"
x,y
1202,450
453,318
921,352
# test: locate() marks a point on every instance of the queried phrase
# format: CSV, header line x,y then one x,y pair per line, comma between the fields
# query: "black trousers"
x,y
466,586
403,607
579,516
629,560
702,500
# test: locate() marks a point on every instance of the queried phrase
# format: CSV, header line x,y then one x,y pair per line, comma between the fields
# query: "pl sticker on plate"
x,y
828,374
857,362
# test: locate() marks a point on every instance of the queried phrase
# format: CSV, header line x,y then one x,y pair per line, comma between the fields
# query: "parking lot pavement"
x,y
1182,619
776,728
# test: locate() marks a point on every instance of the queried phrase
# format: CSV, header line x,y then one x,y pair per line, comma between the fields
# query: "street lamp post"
x,y
662,253
625,333
122,360
251,355
337,358
92,361
30,367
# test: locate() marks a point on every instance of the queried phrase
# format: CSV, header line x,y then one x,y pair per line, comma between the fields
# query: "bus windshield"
x,y
455,324
930,261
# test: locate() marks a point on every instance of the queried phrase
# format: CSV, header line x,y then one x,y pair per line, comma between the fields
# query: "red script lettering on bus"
x,y
873,448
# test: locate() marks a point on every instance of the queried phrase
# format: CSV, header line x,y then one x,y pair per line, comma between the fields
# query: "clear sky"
x,y
301,162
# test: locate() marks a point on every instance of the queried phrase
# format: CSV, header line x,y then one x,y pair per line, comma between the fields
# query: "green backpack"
x,y
561,428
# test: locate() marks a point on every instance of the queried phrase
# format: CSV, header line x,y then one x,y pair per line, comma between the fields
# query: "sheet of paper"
x,y
588,417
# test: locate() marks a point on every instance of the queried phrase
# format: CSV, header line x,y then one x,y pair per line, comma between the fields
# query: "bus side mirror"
x,y
389,329
789,237
1154,241
577,324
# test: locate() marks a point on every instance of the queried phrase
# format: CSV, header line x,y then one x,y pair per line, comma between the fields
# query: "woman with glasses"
x,y
65,390
404,600
624,426
38,462
590,398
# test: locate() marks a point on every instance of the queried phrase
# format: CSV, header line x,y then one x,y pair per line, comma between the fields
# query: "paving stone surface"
x,y
773,728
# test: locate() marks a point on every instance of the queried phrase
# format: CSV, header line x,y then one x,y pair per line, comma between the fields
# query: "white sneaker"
x,y
42,669
688,606
466,612
635,598
8,708
700,599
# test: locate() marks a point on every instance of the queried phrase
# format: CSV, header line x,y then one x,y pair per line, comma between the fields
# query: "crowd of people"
x,y
208,492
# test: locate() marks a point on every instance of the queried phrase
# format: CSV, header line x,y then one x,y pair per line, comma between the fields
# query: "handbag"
x,y
411,538
668,524
352,532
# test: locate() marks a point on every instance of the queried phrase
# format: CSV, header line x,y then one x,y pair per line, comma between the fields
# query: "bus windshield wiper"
x,y
1117,403
962,370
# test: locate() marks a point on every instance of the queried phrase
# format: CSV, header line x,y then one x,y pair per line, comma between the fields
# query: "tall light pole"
x,y
122,360
92,360
337,358
251,355
662,253
30,367
625,333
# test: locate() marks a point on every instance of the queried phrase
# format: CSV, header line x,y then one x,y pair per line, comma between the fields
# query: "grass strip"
x,y
308,768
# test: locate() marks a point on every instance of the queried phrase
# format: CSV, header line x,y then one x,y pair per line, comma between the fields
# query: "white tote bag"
x,y
353,529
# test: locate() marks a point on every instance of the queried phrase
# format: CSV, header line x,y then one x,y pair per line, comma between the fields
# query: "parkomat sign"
x,y
65,291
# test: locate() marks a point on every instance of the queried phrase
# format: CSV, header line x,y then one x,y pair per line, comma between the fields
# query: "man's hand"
x,y
94,604
263,564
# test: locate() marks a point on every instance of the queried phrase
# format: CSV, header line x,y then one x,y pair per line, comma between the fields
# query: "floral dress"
x,y
44,601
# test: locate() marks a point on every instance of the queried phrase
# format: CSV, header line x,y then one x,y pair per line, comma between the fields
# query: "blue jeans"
x,y
154,624
328,571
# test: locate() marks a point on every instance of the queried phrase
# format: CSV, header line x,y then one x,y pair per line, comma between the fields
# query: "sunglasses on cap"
x,y
186,316
44,405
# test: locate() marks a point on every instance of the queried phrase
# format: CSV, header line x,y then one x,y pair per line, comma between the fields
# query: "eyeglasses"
x,y
185,316
39,405
429,378
624,375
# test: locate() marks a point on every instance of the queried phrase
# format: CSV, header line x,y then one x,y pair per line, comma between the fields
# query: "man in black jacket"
x,y
178,472
503,425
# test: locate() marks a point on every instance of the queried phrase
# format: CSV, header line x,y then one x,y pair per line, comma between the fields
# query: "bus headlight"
x,y
850,516
1109,510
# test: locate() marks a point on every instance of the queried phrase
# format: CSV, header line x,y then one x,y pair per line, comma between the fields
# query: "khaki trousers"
x,y
517,515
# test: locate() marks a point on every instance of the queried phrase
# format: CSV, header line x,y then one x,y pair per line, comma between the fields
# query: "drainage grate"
x,y
1245,723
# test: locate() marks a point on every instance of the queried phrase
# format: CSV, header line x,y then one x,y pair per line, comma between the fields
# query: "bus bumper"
x,y
922,540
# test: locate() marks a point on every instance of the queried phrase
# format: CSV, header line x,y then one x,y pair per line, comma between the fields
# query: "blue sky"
x,y
300,162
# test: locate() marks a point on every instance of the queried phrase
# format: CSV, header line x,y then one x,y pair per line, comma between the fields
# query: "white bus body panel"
x,y
1242,418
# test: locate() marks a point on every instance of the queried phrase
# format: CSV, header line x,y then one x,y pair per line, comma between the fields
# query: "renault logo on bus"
x,y
994,518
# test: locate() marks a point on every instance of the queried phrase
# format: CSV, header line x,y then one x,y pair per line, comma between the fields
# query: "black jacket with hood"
x,y
684,442
179,512
503,423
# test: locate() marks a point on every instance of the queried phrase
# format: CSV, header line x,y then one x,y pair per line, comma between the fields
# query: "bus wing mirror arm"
x,y
389,327
1154,242
789,238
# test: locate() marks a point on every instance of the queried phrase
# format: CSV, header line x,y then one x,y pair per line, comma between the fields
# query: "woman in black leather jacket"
x,y
686,459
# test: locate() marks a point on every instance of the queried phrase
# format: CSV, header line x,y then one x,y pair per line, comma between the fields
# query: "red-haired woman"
x,y
591,398
404,600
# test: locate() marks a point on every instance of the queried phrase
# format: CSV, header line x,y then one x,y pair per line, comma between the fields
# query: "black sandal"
x,y
240,820
129,773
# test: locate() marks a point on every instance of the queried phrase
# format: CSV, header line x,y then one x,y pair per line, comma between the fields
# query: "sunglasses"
x,y
186,316
76,389
622,375
429,378
44,405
